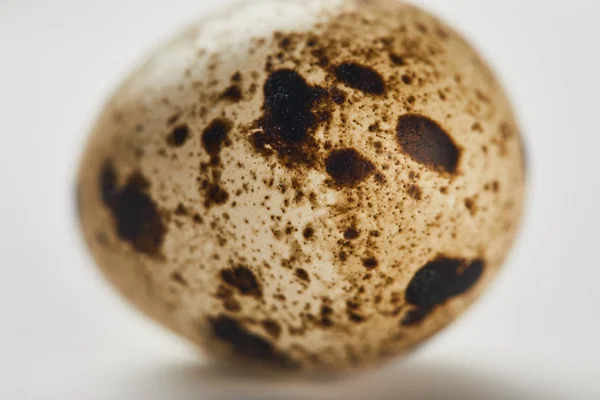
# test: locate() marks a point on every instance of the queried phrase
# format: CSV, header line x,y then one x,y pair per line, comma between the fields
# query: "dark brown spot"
x,y
426,142
347,167
214,195
397,60
285,42
326,314
247,344
243,279
343,256
181,210
308,232
471,205
302,274
214,136
272,327
355,317
361,78
134,211
178,136
407,79
351,233
415,192
233,93
236,77
437,282
289,119
321,56
370,263
352,305
197,219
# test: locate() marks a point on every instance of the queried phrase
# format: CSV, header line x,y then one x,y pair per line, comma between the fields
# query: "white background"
x,y
64,334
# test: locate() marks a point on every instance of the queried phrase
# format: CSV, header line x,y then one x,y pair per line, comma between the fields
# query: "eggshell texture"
x,y
305,184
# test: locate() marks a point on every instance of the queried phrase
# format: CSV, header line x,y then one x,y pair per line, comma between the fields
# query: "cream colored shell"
x,y
268,248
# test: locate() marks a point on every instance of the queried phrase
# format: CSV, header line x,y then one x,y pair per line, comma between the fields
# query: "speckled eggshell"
x,y
305,184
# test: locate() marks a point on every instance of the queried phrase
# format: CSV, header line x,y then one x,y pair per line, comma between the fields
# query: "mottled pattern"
x,y
309,184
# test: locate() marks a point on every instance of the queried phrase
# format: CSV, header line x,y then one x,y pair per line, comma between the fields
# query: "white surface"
x,y
65,335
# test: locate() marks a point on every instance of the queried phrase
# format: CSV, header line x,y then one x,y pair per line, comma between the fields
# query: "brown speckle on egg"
x,y
215,136
248,345
289,119
360,77
243,279
308,232
351,233
370,263
135,213
302,274
348,167
423,140
179,136
233,93
437,282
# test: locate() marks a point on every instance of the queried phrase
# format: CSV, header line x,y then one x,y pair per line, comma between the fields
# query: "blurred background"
x,y
64,334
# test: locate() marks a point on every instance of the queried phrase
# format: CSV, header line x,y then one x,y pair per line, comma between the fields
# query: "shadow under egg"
x,y
401,381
